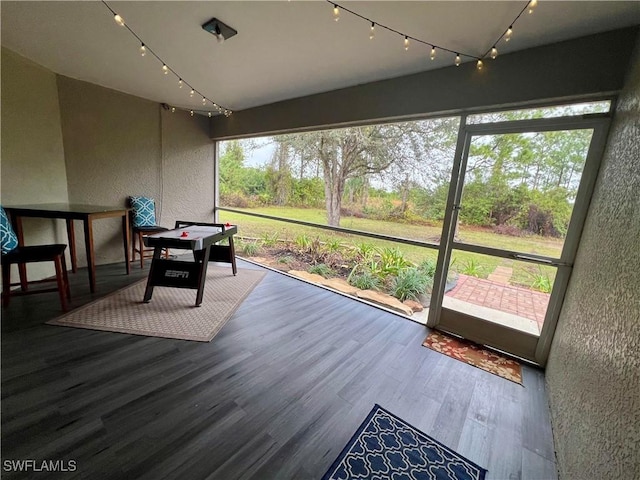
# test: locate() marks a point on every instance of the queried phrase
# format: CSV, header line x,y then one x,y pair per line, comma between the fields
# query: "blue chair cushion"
x,y
9,238
144,211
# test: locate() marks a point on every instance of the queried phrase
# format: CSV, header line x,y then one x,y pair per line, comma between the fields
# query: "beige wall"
x,y
593,374
32,156
115,145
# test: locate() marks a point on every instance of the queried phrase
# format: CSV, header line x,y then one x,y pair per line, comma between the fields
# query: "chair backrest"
x,y
9,238
143,211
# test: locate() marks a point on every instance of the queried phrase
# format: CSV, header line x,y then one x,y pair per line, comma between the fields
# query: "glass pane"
x,y
547,112
519,190
512,293
390,179
397,271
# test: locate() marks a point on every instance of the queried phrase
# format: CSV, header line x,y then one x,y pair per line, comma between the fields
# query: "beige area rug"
x,y
171,313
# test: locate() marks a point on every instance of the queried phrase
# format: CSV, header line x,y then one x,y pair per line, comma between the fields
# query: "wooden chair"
x,y
14,254
143,220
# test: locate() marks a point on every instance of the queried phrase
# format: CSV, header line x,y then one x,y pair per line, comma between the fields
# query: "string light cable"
x,y
492,52
144,49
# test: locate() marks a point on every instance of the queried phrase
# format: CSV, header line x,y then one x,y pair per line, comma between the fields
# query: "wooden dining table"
x,y
70,212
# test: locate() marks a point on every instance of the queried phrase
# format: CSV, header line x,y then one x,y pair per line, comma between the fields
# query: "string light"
x,y
492,52
173,109
479,65
372,31
165,68
191,112
210,114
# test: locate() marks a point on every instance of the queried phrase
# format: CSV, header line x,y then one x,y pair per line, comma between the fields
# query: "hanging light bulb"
x,y
372,31
143,50
507,35
180,83
479,65
433,53
406,43
210,114
165,69
215,105
336,13
173,109
494,52
204,101
192,92
458,60
532,5
119,20
191,112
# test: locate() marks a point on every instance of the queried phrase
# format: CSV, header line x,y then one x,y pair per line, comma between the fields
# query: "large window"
x,y
367,205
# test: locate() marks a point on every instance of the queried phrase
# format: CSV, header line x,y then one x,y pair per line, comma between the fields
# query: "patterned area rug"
x,y
386,447
171,312
475,355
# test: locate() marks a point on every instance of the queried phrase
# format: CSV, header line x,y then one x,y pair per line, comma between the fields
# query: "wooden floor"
x,y
275,395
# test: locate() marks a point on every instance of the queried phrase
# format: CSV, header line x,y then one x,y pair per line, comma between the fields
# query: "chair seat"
x,y
32,254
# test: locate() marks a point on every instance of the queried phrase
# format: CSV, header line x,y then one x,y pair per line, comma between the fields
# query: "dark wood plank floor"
x,y
275,395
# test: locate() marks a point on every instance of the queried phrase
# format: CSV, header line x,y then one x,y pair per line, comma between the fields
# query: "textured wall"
x,y
112,150
187,157
68,140
593,374
33,168
117,145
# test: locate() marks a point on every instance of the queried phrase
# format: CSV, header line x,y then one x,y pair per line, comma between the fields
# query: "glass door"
x,y
518,198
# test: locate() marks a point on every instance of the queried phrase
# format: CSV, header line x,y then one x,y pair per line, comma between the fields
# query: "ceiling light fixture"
x,y
219,29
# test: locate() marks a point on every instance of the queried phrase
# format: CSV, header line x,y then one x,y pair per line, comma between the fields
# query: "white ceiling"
x,y
284,49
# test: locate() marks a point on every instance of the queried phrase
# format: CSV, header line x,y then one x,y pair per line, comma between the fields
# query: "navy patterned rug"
x,y
386,447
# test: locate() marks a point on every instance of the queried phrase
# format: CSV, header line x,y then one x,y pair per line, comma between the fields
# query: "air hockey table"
x,y
202,239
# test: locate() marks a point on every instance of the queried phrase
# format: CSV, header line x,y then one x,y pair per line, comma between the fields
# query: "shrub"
x,y
410,283
251,248
364,281
321,269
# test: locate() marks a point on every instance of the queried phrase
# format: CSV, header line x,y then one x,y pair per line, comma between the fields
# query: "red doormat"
x,y
475,355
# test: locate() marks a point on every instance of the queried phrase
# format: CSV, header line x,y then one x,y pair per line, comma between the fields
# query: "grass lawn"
x,y
464,262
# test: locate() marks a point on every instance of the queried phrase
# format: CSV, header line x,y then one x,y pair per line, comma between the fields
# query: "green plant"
x,y
251,248
364,281
303,242
428,266
270,239
287,259
332,246
392,261
410,283
365,250
472,268
321,269
541,281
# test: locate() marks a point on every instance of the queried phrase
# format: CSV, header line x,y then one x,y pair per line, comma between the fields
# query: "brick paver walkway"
x,y
506,298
